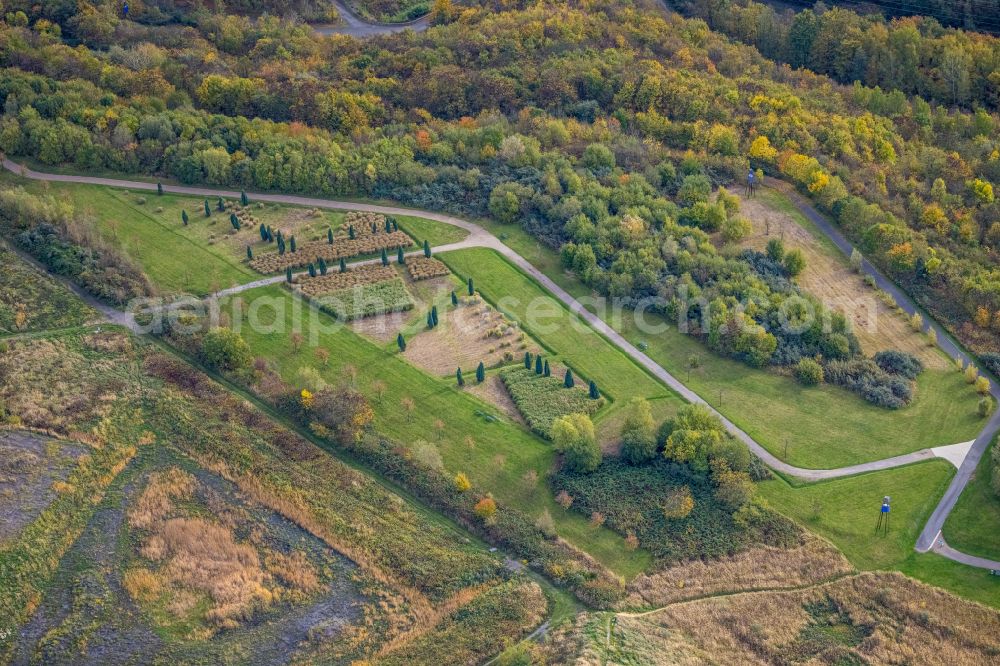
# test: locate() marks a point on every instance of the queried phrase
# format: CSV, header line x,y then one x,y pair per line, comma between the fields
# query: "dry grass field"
x,y
764,567
871,618
469,333
829,277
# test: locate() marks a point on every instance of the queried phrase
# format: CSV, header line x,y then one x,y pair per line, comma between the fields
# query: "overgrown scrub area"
x,y
671,510
390,11
230,533
51,232
542,399
30,300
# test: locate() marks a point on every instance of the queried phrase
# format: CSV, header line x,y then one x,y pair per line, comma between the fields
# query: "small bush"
x,y
899,363
809,372
867,379
985,407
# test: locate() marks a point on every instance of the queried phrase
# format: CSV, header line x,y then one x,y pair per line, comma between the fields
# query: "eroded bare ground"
x,y
877,325
176,564
494,392
32,466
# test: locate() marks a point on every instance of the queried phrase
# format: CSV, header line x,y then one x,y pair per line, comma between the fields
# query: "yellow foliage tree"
x,y
761,149
462,482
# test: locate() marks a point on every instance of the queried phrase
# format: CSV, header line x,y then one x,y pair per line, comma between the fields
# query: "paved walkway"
x,y
480,237
356,26
932,529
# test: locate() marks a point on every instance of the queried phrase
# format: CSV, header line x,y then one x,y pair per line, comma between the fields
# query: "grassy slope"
x,y
974,524
437,399
31,300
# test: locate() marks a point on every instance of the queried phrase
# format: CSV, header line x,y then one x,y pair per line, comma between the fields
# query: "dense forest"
x,y
981,15
602,137
916,56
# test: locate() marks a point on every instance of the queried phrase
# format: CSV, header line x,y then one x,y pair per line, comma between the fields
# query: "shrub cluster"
x,y
542,400
866,378
632,499
899,363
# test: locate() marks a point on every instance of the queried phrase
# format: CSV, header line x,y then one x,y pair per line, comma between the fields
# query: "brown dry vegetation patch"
x,y
494,392
360,275
383,327
425,268
50,386
814,561
193,554
342,248
466,335
828,277
364,223
874,618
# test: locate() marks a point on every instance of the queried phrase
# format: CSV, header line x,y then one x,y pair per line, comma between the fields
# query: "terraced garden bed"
x,y
359,276
341,248
425,268
367,300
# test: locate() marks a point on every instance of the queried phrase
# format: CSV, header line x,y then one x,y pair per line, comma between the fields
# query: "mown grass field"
x,y
496,459
845,511
974,524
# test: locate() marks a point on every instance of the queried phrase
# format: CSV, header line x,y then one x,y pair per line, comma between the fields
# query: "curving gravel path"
x,y
480,237
356,26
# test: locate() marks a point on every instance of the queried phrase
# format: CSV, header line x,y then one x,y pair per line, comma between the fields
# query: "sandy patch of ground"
x,y
828,277
494,392
466,335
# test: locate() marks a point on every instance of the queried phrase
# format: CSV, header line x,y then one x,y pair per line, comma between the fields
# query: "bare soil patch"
x,y
466,335
828,277
494,392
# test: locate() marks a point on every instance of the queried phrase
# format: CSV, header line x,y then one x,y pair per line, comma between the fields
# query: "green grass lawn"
x,y
825,426
501,452
846,510
974,524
